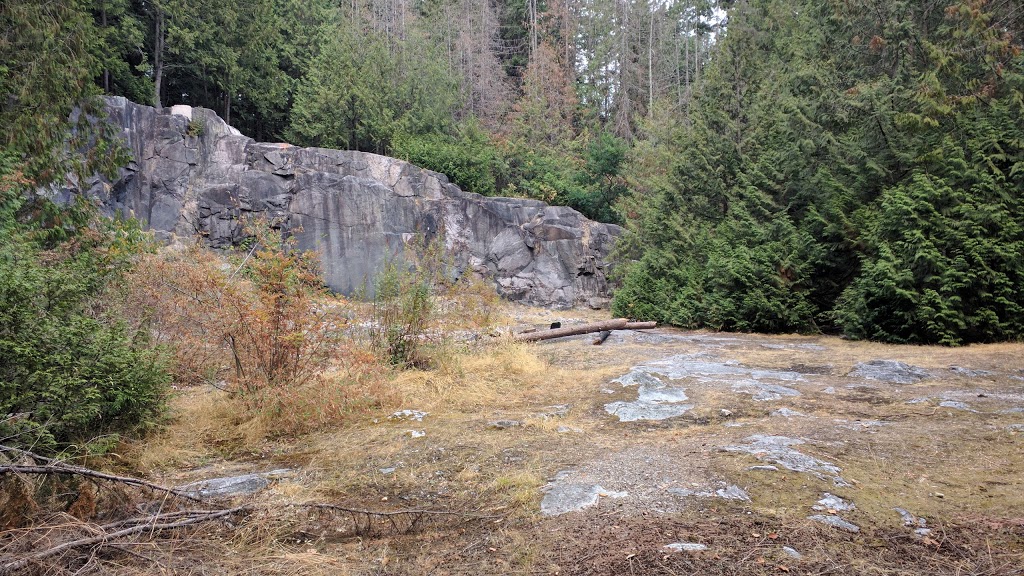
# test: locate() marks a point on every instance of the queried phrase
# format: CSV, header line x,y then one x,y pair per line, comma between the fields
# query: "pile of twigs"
x,y
56,537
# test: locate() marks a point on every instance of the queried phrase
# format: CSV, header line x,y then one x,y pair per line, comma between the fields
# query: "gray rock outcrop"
x,y
192,174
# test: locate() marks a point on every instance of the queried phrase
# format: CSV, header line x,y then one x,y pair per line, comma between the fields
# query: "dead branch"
x,y
411,512
57,467
35,457
606,325
90,537
204,516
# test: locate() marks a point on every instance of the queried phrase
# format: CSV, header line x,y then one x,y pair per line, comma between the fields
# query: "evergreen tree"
x,y
875,151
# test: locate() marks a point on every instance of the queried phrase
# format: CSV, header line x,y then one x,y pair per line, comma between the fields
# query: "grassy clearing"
x,y
492,479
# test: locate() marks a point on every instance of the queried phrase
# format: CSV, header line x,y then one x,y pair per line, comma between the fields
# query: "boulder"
x,y
191,175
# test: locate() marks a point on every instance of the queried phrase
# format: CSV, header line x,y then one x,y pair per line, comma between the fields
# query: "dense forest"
x,y
779,165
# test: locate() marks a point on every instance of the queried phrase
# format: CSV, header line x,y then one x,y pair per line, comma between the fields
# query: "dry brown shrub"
x,y
16,503
262,328
471,302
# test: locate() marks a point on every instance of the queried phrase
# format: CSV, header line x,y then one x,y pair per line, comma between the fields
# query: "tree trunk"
x,y
106,71
650,64
158,56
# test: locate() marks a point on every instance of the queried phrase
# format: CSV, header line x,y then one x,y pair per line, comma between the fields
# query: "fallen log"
x,y
617,324
640,325
602,337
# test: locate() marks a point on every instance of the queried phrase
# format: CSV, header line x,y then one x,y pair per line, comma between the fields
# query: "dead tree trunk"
x,y
617,324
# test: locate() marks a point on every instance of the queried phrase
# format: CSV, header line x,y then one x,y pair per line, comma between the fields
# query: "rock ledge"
x,y
194,175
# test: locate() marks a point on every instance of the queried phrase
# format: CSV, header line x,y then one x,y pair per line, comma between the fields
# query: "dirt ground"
x,y
528,461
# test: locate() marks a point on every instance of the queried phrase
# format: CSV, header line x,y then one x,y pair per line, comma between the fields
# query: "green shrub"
x,y
405,303
70,375
402,306
468,159
196,127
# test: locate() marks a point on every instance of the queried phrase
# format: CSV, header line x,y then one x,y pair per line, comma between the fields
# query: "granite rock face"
x,y
192,174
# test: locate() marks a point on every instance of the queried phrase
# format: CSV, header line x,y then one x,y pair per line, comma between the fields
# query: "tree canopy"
x,y
779,165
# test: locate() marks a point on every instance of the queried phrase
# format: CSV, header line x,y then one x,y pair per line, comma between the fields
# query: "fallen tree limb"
x,y
606,325
20,563
84,540
412,512
58,468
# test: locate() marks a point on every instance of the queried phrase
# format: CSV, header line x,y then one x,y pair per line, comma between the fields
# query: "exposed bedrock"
x,y
192,174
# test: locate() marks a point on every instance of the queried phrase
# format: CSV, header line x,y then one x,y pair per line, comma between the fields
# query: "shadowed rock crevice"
x,y
192,174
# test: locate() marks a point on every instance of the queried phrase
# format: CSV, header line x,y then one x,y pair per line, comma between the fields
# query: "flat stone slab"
x,y
733,492
777,449
956,404
640,410
638,376
563,498
659,400
231,486
655,400
970,372
835,522
730,492
810,347
788,413
763,391
697,366
889,371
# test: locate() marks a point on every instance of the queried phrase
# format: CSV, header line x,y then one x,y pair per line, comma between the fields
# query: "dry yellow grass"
x,y
463,464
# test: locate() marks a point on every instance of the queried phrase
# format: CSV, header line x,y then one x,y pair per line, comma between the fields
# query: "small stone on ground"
x,y
685,547
835,522
412,415
832,502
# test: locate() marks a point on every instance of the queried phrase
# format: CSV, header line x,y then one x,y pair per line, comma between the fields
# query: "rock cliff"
x,y
192,174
